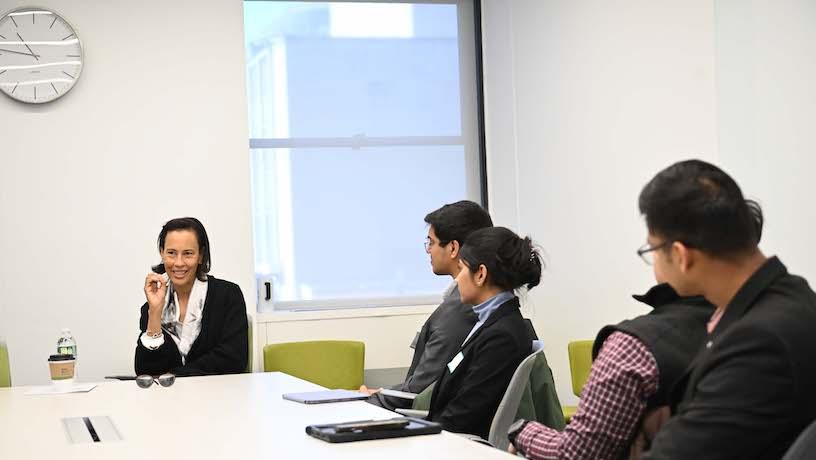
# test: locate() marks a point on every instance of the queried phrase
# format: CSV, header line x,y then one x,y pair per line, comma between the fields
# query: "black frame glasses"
x,y
646,252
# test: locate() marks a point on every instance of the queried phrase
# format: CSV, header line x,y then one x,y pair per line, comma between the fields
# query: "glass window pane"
x,y
344,69
363,118
355,225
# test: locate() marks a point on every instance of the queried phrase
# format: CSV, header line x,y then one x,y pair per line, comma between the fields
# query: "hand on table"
x,y
368,391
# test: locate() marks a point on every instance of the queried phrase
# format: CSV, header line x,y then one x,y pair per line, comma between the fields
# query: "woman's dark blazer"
x,y
221,346
466,400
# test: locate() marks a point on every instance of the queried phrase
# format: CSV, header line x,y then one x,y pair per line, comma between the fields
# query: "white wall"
x,y
585,101
767,125
156,128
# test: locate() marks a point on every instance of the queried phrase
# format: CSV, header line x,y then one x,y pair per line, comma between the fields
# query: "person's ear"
x,y
453,248
684,256
481,276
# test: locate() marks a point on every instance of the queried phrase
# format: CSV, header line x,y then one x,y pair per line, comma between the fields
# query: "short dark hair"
x,y
698,204
455,221
511,261
194,225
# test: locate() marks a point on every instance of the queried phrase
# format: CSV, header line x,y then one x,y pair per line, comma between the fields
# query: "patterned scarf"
x,y
184,331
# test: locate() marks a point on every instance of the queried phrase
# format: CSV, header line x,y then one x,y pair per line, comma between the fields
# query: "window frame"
x,y
472,139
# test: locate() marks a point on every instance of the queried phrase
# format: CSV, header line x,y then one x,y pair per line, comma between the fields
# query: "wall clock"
x,y
40,55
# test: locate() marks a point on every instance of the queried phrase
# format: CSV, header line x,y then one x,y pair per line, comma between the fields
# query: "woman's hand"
x,y
155,290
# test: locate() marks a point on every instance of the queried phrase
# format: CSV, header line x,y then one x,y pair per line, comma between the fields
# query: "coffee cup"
x,y
62,369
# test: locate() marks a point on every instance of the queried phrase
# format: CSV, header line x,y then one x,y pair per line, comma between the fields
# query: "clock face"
x,y
40,55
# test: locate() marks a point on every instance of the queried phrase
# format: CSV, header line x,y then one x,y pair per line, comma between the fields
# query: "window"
x,y
363,118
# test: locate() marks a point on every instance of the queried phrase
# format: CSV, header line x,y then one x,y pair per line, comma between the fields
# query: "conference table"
x,y
215,417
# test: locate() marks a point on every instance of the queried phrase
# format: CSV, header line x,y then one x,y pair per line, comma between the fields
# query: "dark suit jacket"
x,y
466,400
752,387
438,341
221,346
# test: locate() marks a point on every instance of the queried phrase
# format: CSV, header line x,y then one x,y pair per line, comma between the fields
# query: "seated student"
x,y
636,363
493,262
445,330
749,391
192,323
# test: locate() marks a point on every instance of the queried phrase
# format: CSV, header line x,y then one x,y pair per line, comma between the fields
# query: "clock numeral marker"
x,y
12,20
66,38
2,37
15,87
32,17
55,88
35,93
1,73
66,73
52,22
72,55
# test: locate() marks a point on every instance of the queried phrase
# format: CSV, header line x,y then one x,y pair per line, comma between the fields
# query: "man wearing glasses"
x,y
750,389
636,363
444,331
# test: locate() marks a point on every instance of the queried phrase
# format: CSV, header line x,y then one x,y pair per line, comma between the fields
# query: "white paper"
x,y
60,390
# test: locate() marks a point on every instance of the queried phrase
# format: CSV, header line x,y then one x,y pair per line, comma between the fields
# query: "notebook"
x,y
325,396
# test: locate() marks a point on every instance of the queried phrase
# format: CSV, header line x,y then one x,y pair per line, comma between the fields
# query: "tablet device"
x,y
362,430
325,396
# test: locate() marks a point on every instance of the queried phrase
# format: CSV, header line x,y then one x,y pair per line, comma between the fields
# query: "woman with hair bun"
x,y
494,262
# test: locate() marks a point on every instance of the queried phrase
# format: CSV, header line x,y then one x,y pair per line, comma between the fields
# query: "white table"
x,y
199,418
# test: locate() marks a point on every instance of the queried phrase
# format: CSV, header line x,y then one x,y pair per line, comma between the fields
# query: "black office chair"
x,y
805,446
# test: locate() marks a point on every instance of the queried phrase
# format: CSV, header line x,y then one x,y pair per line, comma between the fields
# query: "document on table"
x,y
60,390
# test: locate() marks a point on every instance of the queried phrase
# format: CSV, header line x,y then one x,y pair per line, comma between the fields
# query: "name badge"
x,y
455,362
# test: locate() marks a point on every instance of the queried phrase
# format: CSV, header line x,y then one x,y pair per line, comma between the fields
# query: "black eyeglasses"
x,y
646,252
429,243
146,381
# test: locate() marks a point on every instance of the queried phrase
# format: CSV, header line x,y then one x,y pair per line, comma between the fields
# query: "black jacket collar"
x,y
745,297
505,309
663,294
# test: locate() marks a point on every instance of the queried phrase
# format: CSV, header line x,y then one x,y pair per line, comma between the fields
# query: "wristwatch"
x,y
515,429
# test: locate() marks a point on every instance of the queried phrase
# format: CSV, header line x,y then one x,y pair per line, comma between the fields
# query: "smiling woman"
x,y
192,323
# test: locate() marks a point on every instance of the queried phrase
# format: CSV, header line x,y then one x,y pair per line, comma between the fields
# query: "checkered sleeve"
x,y
623,377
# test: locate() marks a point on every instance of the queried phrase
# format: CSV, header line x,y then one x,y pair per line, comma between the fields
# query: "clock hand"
x,y
18,52
29,48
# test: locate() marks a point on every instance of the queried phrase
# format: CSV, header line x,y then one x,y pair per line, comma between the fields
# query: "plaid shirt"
x,y
623,377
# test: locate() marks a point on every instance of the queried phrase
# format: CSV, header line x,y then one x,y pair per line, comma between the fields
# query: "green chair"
x,y
329,363
530,395
580,358
5,371
250,344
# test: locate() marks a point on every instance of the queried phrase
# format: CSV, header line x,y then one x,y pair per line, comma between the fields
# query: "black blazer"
x,y
438,341
752,387
221,346
466,400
